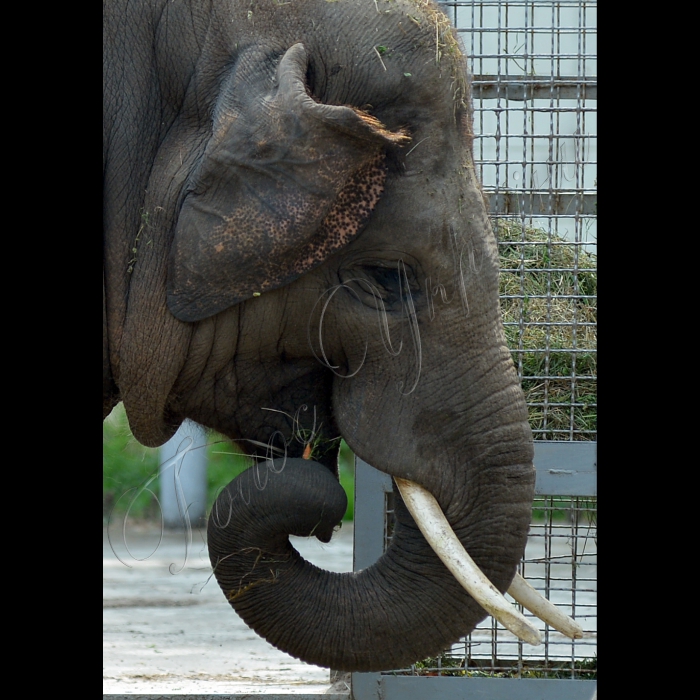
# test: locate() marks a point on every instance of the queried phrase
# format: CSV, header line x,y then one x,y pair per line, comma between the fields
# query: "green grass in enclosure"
x,y
542,276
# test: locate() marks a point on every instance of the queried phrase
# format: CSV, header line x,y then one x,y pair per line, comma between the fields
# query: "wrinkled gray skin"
x,y
275,173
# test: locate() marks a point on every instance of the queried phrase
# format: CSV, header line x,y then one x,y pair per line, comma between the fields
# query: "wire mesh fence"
x,y
534,68
561,562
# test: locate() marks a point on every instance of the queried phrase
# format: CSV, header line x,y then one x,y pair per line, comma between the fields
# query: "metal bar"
x,y
542,204
183,477
552,324
371,485
566,468
563,469
446,688
485,30
519,87
536,30
513,3
533,109
366,686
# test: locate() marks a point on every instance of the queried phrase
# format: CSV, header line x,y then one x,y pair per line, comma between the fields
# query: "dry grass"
x,y
549,305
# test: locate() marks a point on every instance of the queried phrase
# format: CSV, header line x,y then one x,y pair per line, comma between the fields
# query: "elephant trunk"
x,y
405,607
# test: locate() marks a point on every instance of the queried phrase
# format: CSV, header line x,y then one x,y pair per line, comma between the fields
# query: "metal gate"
x,y
533,64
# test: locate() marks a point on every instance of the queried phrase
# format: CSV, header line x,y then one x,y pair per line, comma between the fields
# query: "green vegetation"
x,y
578,509
448,665
127,469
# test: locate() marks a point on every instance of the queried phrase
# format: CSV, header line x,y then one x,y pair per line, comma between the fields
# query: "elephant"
x,y
296,249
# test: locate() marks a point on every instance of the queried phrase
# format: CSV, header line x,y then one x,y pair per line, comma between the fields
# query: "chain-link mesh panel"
x,y
561,562
533,64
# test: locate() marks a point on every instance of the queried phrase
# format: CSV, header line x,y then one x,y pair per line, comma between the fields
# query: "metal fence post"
x,y
183,477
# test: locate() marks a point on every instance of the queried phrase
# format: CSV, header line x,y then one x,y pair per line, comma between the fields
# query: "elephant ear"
x,y
284,182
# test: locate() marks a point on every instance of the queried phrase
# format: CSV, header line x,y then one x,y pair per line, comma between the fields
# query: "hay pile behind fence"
x,y
549,305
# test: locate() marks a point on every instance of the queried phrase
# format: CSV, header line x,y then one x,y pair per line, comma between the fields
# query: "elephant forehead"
x,y
392,57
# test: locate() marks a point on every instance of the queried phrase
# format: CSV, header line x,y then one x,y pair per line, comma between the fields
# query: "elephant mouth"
x,y
439,534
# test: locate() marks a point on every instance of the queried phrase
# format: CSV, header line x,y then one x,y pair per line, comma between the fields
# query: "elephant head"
x,y
296,242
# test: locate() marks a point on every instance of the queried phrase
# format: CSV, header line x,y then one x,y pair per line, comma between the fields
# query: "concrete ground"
x,y
168,628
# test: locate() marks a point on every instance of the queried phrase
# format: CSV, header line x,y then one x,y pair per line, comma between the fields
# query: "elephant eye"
x,y
388,278
381,284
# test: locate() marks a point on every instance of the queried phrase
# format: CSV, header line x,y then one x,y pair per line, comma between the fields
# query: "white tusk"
x,y
433,524
529,598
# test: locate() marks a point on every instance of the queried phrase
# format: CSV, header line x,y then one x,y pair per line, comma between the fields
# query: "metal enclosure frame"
x,y
567,469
